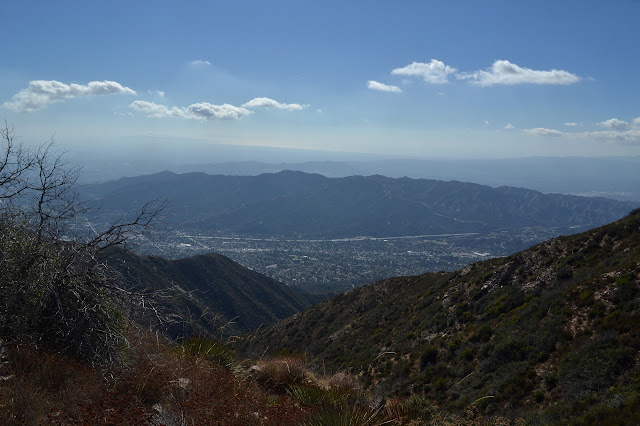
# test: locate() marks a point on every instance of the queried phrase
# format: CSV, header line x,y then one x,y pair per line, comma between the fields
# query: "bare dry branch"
x,y
56,291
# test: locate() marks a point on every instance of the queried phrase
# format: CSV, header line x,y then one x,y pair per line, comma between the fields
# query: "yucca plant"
x,y
208,349
309,396
348,415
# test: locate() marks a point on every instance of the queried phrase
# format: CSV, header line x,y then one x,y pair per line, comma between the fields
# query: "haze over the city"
x,y
413,78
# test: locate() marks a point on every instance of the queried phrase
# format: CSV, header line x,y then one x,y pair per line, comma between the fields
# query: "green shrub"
x,y
626,289
482,334
440,385
467,354
454,345
418,407
428,356
538,396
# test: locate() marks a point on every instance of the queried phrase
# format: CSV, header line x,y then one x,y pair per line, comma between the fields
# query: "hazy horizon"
x,y
413,79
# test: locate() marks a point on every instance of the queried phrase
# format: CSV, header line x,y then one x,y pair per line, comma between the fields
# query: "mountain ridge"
x,y
297,204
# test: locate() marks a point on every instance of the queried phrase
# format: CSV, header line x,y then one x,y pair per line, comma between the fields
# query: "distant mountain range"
x,y
551,333
209,294
611,177
302,205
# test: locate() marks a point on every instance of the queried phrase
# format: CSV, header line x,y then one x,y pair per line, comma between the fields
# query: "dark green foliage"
x,y
508,300
428,356
482,334
440,385
626,288
594,365
467,354
564,273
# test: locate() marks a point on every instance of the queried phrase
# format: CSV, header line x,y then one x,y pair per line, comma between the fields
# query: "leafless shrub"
x,y
54,290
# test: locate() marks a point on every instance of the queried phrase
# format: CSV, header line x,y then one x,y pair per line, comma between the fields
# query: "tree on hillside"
x,y
54,290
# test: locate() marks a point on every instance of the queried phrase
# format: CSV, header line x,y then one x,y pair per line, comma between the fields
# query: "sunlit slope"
x,y
554,328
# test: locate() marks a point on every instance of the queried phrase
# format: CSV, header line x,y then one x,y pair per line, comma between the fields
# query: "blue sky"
x,y
412,78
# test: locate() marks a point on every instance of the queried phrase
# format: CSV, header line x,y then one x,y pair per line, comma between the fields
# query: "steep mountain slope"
x,y
552,332
210,291
302,205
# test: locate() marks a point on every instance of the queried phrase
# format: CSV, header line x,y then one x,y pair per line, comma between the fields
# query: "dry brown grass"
x,y
163,385
280,373
156,386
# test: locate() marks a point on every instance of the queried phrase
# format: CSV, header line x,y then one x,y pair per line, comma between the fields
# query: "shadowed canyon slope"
x,y
209,291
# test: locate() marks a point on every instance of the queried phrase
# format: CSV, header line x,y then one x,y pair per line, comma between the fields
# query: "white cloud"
x,y
627,137
504,72
509,126
157,110
374,85
156,93
198,62
199,111
618,131
614,124
270,103
207,111
41,93
435,72
540,131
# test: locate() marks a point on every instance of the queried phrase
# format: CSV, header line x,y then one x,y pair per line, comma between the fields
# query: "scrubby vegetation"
x,y
550,334
197,382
